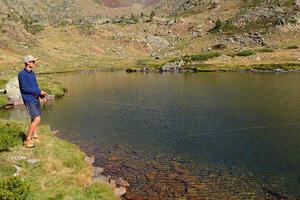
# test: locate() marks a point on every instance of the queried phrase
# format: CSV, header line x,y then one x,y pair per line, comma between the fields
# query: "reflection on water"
x,y
248,122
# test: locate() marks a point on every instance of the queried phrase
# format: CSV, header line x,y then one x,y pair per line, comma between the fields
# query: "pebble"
x,y
33,161
18,158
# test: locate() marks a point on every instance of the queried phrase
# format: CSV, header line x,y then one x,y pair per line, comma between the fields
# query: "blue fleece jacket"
x,y
28,86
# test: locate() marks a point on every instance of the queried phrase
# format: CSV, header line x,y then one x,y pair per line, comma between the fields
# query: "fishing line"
x,y
104,102
233,129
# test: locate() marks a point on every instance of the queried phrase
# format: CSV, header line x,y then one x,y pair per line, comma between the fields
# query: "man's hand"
x,y
43,95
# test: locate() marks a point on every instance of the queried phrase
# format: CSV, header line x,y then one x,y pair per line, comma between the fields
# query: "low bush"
x,y
201,57
246,53
292,46
13,188
266,50
9,136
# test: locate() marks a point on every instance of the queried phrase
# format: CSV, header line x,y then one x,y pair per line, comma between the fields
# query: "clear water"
x,y
249,122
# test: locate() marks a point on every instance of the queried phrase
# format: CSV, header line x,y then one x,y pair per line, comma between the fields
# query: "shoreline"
x,y
52,164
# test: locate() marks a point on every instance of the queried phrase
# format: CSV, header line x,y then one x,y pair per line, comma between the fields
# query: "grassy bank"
x,y
55,169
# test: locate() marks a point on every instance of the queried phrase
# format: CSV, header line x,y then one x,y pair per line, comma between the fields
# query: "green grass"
x,y
245,53
61,173
51,87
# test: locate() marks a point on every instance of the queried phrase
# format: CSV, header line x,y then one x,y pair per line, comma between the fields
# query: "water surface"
x,y
241,122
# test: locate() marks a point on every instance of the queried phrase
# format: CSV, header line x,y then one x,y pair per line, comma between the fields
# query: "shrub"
x,y
13,188
9,136
266,50
226,26
217,27
201,57
219,46
246,53
292,46
32,27
86,28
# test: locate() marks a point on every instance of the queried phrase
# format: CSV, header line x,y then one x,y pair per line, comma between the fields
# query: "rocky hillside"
x,y
71,34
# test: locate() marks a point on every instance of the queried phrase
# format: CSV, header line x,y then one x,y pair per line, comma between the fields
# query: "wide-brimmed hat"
x,y
29,58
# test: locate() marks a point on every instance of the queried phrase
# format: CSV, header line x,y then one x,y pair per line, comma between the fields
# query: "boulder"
x,y
298,3
158,42
13,91
173,66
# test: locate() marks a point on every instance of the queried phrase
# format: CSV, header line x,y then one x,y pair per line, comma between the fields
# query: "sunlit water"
x,y
247,122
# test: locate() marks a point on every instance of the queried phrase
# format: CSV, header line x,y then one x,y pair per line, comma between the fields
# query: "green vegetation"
x,y
201,57
3,100
52,87
282,66
9,136
245,53
266,50
226,27
219,46
292,46
59,164
86,28
33,27
13,188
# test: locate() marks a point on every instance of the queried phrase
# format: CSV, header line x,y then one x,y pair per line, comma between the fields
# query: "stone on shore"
x,y
13,92
97,171
120,191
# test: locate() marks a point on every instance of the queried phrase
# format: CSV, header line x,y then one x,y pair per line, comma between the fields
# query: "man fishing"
x,y
31,93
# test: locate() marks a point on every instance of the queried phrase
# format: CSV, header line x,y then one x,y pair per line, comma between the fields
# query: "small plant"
x,y
292,46
9,136
12,188
245,53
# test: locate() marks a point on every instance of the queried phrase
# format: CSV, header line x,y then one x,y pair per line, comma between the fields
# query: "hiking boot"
x,y
29,144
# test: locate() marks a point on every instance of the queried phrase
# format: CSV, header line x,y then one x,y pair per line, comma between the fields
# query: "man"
x,y
31,93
